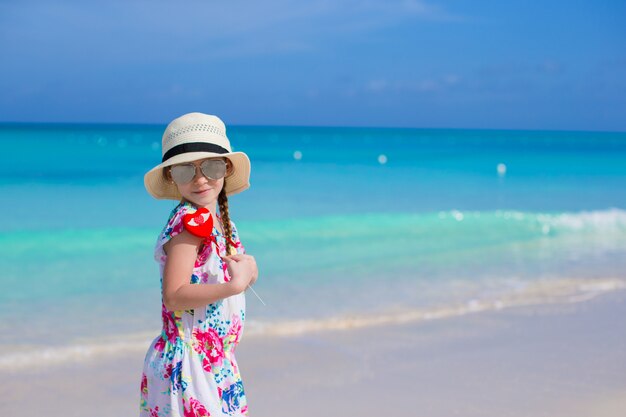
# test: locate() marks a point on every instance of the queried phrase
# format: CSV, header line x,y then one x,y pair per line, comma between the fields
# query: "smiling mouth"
x,y
203,191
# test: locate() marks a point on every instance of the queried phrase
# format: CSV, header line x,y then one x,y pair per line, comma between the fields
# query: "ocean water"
x,y
350,227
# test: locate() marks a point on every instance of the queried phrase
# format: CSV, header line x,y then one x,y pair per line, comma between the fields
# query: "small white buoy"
x,y
382,159
297,155
501,169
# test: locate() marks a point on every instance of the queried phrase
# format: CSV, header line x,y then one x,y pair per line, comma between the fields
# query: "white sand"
x,y
560,360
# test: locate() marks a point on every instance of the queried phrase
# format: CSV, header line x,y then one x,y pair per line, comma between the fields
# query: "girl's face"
x,y
202,191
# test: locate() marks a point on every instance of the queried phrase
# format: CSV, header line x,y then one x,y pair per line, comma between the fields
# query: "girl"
x,y
190,369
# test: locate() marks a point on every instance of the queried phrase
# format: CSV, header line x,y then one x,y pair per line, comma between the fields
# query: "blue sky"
x,y
410,63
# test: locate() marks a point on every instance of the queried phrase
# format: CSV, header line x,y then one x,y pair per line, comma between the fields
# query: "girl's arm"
x,y
178,293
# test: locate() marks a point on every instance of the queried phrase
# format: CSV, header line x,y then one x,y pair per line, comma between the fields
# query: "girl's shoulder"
x,y
173,227
174,224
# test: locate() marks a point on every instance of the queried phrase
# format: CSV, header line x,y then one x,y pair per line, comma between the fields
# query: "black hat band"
x,y
193,147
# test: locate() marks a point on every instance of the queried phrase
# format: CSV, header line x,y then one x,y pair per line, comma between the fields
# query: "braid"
x,y
222,201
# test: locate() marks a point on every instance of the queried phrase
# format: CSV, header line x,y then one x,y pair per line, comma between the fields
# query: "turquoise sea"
x,y
349,226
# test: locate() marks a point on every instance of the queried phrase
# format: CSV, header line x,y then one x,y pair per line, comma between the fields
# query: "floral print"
x,y
211,348
195,409
231,398
190,369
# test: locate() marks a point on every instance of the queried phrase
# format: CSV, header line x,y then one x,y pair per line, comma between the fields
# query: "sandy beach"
x,y
548,360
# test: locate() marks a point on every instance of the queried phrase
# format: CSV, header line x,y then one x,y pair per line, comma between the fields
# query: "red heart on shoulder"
x,y
199,223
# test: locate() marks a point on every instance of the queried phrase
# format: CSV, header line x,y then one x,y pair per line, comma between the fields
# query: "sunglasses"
x,y
213,169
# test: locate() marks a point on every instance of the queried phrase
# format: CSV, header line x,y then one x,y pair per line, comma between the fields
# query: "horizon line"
x,y
296,126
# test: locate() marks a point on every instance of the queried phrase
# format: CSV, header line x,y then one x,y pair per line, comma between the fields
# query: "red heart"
x,y
199,223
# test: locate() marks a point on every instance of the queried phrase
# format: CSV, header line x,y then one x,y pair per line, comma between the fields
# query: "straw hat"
x,y
191,137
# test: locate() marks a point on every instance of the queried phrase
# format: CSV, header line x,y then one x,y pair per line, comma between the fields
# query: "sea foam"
x,y
533,294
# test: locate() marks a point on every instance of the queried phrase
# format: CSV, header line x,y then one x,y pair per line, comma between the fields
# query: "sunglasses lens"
x,y
213,168
182,174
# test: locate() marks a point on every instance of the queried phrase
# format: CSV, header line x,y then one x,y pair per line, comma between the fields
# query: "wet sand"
x,y
551,360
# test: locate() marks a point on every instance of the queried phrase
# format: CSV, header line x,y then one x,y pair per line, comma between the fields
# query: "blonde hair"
x,y
222,202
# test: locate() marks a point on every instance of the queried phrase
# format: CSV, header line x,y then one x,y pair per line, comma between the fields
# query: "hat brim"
x,y
234,183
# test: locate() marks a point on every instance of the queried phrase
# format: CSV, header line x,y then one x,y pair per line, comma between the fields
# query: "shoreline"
x,y
546,293
552,360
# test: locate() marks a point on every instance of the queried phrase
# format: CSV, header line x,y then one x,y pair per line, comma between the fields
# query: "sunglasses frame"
x,y
195,170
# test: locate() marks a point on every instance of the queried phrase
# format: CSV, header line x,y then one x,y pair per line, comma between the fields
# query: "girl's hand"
x,y
255,272
243,271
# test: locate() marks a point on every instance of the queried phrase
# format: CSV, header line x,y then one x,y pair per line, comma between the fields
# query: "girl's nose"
x,y
200,178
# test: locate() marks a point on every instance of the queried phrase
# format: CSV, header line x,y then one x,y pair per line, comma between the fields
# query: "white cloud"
x,y
451,79
550,66
424,85
376,86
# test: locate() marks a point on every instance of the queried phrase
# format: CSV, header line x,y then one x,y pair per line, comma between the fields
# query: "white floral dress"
x,y
190,369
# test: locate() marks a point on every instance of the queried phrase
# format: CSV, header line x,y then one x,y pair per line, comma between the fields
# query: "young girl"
x,y
190,369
